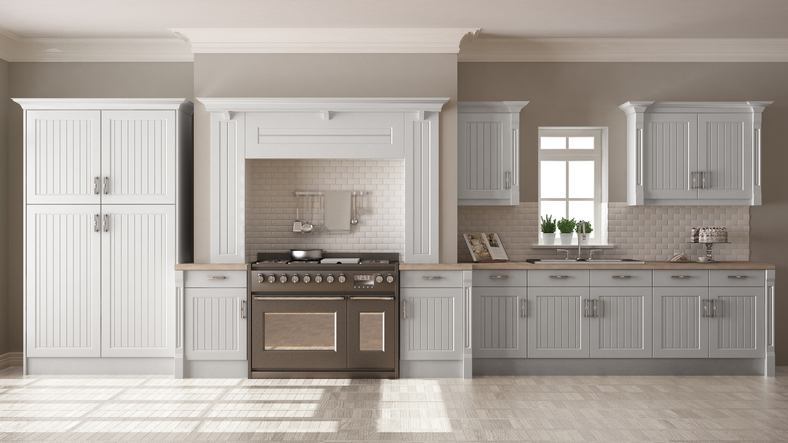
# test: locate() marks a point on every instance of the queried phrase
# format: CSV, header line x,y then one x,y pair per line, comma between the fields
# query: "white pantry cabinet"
x,y
693,153
108,189
488,153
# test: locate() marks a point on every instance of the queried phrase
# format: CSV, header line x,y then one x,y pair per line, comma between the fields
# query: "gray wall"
x,y
588,94
329,75
4,167
72,80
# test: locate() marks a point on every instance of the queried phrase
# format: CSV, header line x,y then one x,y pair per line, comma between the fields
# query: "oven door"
x,y
299,332
372,332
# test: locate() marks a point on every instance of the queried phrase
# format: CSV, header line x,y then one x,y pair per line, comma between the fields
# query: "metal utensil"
x,y
353,211
297,223
360,206
307,227
306,254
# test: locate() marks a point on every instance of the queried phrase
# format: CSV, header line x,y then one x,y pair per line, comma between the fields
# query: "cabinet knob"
x,y
681,276
499,277
221,277
622,277
559,277
737,277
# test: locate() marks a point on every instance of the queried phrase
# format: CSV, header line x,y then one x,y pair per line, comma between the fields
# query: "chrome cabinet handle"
x,y
737,277
522,308
705,308
694,180
372,298
703,180
243,308
404,309
508,184
106,223
106,185
714,308
585,314
435,277
217,277
95,223
499,277
681,276
95,185
559,277
297,298
594,308
622,277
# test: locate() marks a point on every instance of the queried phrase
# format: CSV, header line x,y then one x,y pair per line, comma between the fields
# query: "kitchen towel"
x,y
337,213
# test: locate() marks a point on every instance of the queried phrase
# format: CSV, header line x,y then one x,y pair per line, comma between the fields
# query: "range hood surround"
x,y
324,128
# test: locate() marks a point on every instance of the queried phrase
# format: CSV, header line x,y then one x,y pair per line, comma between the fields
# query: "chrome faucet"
x,y
581,225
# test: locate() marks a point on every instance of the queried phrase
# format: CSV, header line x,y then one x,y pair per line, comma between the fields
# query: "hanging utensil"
x,y
297,223
353,214
360,206
307,227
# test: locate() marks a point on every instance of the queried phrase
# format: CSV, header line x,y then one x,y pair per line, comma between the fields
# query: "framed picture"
x,y
485,246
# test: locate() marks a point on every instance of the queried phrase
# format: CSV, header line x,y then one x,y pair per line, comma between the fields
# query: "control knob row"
x,y
306,279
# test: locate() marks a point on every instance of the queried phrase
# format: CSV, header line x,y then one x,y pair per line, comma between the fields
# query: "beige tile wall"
x,y
651,233
271,204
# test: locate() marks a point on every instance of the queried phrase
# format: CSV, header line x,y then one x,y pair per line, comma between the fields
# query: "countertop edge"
x,y
656,265
211,267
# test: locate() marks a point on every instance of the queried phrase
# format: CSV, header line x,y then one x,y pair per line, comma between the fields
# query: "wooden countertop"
x,y
649,265
211,267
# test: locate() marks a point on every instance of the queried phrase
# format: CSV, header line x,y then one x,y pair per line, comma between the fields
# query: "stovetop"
x,y
277,260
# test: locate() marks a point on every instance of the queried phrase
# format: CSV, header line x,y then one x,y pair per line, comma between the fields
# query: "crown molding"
x,y
180,104
333,40
322,104
624,50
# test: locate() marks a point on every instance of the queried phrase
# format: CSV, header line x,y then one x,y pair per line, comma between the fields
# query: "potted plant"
x,y
589,230
548,230
567,227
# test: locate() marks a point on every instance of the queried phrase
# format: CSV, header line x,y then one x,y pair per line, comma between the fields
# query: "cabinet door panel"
x,y
680,328
736,325
138,157
670,156
138,259
63,161
725,155
431,327
558,327
621,325
63,274
499,323
215,323
484,152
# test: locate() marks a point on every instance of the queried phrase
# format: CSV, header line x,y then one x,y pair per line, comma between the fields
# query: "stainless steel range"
x,y
329,318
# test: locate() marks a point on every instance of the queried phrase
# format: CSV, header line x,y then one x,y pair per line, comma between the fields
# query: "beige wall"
x,y
72,80
4,167
329,75
588,94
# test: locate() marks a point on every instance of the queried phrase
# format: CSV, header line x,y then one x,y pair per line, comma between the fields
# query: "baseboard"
x,y
11,359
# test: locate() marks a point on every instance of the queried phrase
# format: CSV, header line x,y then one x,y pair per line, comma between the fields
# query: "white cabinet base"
x,y
99,366
618,366
217,369
431,369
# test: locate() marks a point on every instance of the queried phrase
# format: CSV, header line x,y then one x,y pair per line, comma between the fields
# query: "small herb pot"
x,y
566,238
548,238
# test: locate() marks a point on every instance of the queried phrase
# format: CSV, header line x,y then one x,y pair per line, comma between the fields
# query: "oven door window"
x,y
300,331
372,331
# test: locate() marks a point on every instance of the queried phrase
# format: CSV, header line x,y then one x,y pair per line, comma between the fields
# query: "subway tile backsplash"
x,y
652,233
271,204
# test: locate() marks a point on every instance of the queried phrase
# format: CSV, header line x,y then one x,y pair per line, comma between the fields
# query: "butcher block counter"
x,y
653,265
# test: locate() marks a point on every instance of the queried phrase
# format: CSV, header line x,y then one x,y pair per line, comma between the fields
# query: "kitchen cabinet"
x,y
558,323
681,327
488,153
109,213
620,322
694,153
499,318
736,322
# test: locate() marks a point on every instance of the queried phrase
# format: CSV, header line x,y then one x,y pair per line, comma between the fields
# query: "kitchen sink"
x,y
627,261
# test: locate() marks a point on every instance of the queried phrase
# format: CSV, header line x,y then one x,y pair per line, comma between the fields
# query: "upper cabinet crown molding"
x,y
180,104
694,153
309,104
325,40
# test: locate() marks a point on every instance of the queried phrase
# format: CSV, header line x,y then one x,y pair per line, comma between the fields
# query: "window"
x,y
572,176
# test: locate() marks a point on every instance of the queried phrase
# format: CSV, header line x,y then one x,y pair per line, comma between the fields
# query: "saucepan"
x,y
306,254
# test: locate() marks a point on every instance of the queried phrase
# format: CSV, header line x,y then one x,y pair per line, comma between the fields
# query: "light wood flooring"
x,y
600,409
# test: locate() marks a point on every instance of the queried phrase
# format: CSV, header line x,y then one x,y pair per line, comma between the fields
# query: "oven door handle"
x,y
298,298
372,298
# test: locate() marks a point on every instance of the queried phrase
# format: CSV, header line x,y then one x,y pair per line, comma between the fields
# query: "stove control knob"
x,y
283,278
318,278
390,279
307,278
342,278
272,278
378,278
330,278
294,279
260,277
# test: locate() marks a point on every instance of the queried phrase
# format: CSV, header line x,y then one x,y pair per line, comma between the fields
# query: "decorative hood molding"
x,y
227,105
325,40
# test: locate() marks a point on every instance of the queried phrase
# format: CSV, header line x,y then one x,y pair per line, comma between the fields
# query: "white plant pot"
x,y
566,239
580,239
548,238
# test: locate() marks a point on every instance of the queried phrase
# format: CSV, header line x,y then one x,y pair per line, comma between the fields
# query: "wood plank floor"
x,y
512,409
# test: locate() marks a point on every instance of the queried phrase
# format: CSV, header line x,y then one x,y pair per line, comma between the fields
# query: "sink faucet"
x,y
581,226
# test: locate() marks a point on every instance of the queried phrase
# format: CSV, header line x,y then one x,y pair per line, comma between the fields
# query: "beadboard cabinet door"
x,y
63,164
621,322
725,155
681,324
670,156
138,157
558,323
499,322
431,327
736,325
215,322
138,259
63,281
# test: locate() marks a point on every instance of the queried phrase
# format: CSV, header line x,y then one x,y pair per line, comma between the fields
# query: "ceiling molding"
x,y
624,50
334,40
323,104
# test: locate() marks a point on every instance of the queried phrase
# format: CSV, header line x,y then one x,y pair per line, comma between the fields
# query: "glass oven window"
x,y
300,331
371,331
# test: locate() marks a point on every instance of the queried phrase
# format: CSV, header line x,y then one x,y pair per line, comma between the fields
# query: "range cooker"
x,y
332,318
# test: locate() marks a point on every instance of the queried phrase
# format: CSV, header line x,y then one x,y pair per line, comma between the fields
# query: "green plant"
x,y
589,229
566,226
548,225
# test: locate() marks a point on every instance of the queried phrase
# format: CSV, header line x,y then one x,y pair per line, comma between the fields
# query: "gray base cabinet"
x,y
431,325
558,324
499,322
736,325
681,329
620,322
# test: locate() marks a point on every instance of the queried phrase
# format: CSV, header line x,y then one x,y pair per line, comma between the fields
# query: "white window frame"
x,y
600,158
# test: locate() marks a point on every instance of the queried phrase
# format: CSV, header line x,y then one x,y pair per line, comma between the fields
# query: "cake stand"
x,y
709,246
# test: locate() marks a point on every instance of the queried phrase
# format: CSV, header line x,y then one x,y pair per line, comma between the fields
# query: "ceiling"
x,y
497,18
